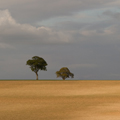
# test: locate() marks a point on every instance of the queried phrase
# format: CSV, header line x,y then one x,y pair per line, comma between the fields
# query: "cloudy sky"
x,y
83,35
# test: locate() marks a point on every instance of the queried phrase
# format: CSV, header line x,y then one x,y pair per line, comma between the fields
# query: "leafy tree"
x,y
36,64
64,73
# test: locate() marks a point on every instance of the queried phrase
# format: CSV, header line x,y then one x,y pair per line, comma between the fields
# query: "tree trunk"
x,y
63,78
36,76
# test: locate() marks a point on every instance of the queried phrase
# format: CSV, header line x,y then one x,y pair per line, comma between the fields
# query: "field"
x,y
60,100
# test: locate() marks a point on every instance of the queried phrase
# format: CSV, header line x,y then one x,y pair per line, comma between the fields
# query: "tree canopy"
x,y
36,64
64,73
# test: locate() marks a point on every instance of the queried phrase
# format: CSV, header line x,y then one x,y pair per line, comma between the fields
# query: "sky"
x,y
83,35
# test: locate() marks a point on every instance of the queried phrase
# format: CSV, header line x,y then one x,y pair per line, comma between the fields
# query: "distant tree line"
x,y
38,63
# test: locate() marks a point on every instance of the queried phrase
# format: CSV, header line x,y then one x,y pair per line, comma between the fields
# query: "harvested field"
x,y
60,100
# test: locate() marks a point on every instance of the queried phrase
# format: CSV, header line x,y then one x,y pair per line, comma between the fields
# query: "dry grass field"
x,y
60,100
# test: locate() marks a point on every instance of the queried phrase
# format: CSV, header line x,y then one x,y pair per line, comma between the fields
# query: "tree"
x,y
64,73
36,64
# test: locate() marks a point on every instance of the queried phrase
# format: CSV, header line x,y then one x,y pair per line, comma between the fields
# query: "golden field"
x,y
60,100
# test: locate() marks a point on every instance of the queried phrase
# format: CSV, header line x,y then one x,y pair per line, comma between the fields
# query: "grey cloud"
x,y
38,10
70,25
115,15
12,32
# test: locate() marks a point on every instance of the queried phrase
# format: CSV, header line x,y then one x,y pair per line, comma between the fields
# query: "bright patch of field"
x,y
60,100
